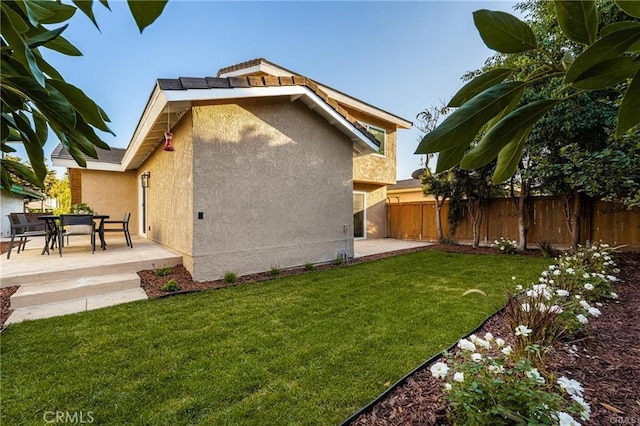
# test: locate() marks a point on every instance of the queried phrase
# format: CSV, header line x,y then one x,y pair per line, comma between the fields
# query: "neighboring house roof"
x,y
26,192
63,158
406,184
261,66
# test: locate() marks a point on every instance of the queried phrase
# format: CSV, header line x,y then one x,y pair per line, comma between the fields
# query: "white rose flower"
x,y
523,330
507,350
588,287
562,293
476,357
582,319
439,370
595,312
500,342
565,419
458,377
466,345
572,387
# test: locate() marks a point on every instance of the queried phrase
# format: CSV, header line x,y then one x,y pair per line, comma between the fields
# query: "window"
x,y
380,135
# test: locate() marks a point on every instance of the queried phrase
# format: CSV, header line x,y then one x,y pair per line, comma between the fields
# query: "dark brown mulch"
x,y
5,295
607,365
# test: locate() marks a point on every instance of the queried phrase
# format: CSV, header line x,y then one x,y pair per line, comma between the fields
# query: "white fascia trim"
x,y
361,106
361,142
91,165
156,105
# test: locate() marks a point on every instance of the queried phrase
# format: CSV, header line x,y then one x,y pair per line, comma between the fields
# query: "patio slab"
x,y
384,245
30,267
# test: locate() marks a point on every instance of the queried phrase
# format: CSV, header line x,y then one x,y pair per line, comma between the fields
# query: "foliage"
x,y
275,270
163,272
339,260
505,246
583,57
447,241
230,277
546,249
171,286
305,349
485,385
81,208
36,98
309,266
469,189
560,303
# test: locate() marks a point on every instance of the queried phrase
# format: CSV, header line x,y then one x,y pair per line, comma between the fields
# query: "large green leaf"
x,y
62,45
479,84
44,37
12,27
86,6
506,131
42,129
630,7
607,73
82,104
51,103
509,157
463,125
145,12
504,32
32,145
22,170
578,20
449,158
49,12
629,113
608,47
616,26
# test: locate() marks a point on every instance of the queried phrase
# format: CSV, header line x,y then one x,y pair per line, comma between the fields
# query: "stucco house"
x,y
268,168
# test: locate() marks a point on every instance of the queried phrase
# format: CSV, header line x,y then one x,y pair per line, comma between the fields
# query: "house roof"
x,y
63,158
261,66
406,184
26,192
172,98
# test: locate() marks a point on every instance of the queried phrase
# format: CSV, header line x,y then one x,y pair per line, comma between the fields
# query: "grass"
x,y
309,349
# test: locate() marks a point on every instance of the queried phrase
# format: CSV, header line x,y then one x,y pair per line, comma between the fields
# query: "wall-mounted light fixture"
x,y
145,179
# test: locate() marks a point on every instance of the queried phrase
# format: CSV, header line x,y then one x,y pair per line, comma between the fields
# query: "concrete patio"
x,y
50,285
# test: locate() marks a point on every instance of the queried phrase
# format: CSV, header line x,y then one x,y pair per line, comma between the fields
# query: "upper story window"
x,y
380,135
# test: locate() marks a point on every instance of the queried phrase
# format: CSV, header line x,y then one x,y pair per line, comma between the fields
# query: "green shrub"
x,y
230,277
275,270
446,241
505,246
485,389
171,286
546,249
81,208
309,266
163,272
339,260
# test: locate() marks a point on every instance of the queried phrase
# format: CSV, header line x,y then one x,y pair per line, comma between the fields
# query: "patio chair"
x,y
71,223
124,229
23,230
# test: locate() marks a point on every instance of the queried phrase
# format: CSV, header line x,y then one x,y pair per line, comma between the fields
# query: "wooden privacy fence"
x,y
607,221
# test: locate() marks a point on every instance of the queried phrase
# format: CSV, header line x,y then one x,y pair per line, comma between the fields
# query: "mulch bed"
x,y
607,365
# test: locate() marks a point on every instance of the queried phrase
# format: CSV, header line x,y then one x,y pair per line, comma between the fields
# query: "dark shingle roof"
x,y
406,183
186,83
114,155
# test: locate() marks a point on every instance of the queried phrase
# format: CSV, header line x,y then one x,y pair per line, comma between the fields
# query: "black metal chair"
x,y
23,230
125,228
88,228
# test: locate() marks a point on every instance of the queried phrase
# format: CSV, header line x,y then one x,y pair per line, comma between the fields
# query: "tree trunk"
x,y
576,217
439,218
573,215
475,214
522,213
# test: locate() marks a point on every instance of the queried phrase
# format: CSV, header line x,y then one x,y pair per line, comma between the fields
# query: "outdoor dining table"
x,y
51,222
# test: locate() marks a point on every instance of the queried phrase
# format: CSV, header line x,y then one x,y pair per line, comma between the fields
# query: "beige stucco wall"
x,y
374,168
274,183
112,193
170,193
376,209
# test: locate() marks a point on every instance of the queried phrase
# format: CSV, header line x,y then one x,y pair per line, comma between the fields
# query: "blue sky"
x,y
400,56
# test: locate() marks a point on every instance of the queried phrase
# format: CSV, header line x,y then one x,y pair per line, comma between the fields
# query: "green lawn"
x,y
310,349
